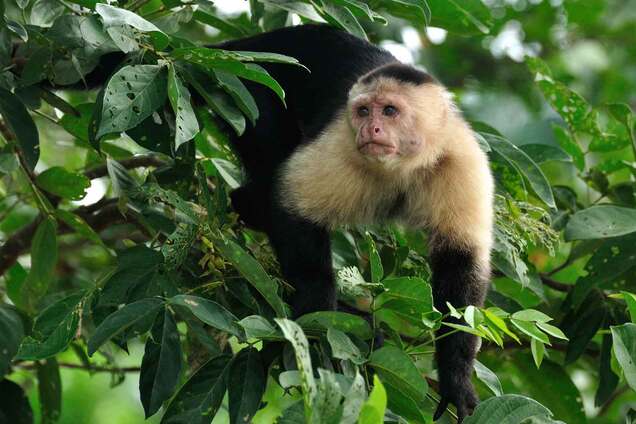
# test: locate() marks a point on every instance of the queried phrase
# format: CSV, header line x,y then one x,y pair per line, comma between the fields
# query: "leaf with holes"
x,y
186,122
132,94
602,221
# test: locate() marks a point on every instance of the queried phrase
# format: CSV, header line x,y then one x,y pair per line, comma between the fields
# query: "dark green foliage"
x,y
161,260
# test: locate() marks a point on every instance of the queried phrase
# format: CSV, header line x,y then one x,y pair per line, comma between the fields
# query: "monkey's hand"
x,y
455,355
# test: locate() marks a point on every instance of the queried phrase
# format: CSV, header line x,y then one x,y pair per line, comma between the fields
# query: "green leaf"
x,y
552,330
49,391
14,404
473,316
186,122
531,315
79,226
460,16
257,327
538,350
248,379
232,62
63,183
241,95
489,378
531,330
121,320
199,399
115,18
415,11
526,166
132,94
342,17
253,272
570,145
210,313
161,364
630,300
624,338
348,323
342,347
11,334
21,125
230,173
294,334
541,153
601,221
43,259
297,7
373,409
44,12
374,261
397,369
608,380
53,330
507,409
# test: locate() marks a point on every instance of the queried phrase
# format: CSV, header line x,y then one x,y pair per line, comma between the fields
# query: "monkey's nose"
x,y
377,130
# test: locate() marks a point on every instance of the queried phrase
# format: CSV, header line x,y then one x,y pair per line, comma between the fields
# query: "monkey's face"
x,y
385,125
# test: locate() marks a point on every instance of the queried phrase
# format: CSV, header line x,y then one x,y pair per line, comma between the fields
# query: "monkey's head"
x,y
396,113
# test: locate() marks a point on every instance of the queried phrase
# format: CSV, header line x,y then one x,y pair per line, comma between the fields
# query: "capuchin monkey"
x,y
365,139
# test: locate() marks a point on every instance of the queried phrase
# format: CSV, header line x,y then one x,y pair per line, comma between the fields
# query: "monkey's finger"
x,y
443,403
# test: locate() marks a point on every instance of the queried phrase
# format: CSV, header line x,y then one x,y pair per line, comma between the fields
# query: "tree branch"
x,y
92,368
556,285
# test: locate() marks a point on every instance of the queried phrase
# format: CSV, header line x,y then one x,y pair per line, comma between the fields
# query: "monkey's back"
x,y
335,59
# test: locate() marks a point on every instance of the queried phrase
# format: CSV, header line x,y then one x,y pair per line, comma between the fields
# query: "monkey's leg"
x,y
457,279
304,252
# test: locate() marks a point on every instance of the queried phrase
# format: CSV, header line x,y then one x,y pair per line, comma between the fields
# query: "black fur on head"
x,y
399,72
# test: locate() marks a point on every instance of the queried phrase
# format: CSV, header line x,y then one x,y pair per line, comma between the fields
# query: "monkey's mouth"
x,y
377,148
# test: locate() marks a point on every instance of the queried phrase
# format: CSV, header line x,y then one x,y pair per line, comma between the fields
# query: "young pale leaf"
x,y
348,323
294,334
507,409
353,400
489,378
132,94
53,330
624,337
21,125
11,333
397,369
230,173
602,221
327,406
211,313
63,183
248,379
161,364
473,316
121,320
186,122
373,409
538,350
117,18
199,399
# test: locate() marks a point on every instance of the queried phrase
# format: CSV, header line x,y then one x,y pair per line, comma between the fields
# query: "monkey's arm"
x,y
460,195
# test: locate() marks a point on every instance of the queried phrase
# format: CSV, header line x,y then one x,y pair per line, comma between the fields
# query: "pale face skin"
x,y
384,125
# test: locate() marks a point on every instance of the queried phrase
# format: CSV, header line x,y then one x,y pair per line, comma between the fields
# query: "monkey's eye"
x,y
363,111
390,110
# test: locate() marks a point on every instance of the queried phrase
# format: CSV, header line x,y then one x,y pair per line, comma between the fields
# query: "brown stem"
x,y
556,285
